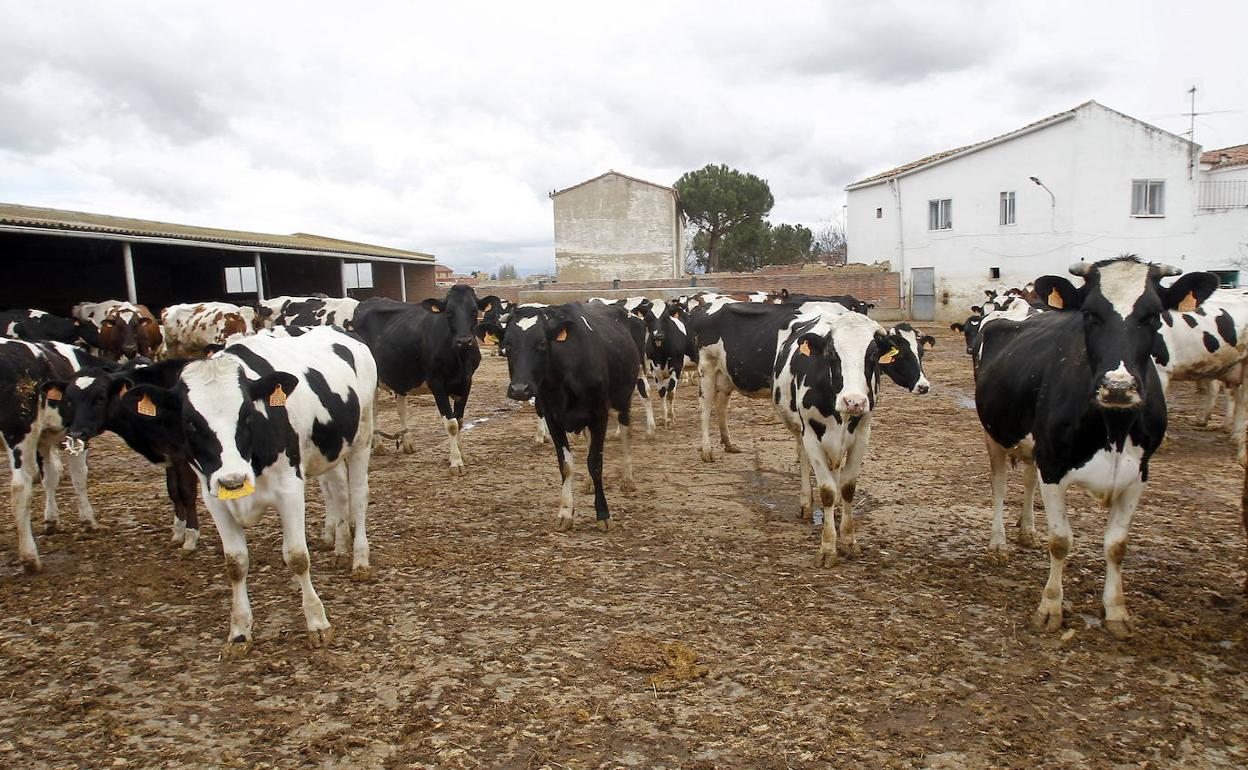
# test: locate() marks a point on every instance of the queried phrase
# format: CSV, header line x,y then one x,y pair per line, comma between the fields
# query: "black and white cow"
x,y
426,348
39,326
736,344
578,362
92,402
846,300
257,420
32,425
1204,344
669,349
1015,306
306,311
1075,394
826,380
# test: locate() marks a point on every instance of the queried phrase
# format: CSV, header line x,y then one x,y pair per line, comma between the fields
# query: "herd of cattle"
x,y
245,404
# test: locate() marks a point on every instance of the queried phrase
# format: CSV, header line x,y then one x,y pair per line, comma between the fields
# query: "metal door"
x,y
923,293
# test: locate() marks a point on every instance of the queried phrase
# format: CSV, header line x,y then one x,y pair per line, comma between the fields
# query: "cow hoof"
x,y
1028,538
732,448
236,648
1120,629
343,561
32,566
998,553
90,528
457,470
827,558
606,525
409,449
539,441
563,523
318,638
51,527
1046,620
628,485
362,574
708,456
850,551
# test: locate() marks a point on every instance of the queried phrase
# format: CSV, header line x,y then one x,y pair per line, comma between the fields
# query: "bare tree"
x,y
831,245
506,272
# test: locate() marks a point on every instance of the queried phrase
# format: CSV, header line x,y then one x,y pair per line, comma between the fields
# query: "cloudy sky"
x,y
445,129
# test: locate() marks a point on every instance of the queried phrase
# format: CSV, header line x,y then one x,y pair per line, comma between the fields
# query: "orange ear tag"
x,y
146,406
277,397
55,394
233,494
1055,300
563,335
1188,304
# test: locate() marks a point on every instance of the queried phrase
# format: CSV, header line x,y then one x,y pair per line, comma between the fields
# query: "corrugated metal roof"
x,y
44,219
1236,155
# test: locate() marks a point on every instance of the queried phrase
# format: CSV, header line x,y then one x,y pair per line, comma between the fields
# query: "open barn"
x,y
699,633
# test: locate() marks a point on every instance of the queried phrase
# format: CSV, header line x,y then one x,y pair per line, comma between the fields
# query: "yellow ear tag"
x,y
146,406
1055,300
804,348
491,338
233,494
1188,304
435,309
55,394
563,335
277,397
890,356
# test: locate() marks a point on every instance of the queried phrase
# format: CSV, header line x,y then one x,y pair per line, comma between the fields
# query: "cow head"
x,y
227,419
905,365
1121,302
842,353
459,311
528,341
970,328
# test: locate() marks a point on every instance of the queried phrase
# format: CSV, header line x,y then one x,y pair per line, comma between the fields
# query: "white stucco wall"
x,y
616,227
1222,233
1088,161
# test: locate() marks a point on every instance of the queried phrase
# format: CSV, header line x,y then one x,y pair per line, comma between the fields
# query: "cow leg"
x,y
706,396
721,416
1027,536
626,440
51,465
1207,399
234,544
543,433
78,476
452,430
848,482
829,494
807,508
21,489
1121,509
598,437
1232,396
334,490
563,454
409,441
1239,396
1048,616
645,399
1243,515
295,554
998,547
357,480
458,404
184,503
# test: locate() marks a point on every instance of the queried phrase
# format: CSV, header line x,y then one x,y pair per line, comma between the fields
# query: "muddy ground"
x,y
699,634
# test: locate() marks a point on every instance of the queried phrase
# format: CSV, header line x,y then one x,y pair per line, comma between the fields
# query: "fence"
x,y
1223,195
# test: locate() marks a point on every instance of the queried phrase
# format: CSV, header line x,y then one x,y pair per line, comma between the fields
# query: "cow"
x,y
39,326
93,404
427,347
307,311
126,330
825,384
194,329
736,343
1016,305
31,426
257,420
846,300
497,313
669,349
1074,394
579,362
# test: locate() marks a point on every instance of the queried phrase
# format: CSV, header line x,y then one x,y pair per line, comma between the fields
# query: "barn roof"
x,y
1236,155
33,219
967,149
672,190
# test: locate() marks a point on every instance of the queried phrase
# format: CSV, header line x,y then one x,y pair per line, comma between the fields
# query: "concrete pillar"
x,y
342,278
402,282
128,261
259,278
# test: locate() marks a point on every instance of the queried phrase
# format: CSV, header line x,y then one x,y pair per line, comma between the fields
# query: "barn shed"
x,y
53,259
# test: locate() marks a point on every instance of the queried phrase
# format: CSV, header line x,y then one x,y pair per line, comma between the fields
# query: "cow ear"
x,y
784,294
977,309
273,388
212,348
1190,291
53,390
957,327
434,305
119,386
1057,292
488,332
557,329
151,401
811,344
928,340
487,303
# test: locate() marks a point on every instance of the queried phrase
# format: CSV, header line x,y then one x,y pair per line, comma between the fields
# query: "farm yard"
x,y
697,634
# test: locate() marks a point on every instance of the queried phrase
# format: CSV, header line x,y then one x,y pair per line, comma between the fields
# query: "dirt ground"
x,y
698,634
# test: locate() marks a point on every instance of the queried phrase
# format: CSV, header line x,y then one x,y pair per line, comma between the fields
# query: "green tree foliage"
x,y
718,199
754,244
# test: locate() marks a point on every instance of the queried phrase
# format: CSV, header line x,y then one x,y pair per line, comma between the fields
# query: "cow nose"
x,y
463,343
922,387
852,404
519,392
77,433
233,481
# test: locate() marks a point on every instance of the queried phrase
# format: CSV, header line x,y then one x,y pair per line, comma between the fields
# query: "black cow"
x,y
736,344
426,347
1075,394
93,404
579,362
845,300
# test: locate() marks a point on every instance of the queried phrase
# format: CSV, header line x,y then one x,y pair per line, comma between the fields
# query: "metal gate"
x,y
923,293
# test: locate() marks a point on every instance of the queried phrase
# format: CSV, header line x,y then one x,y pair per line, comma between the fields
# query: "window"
x,y
1227,279
357,275
240,280
879,213
940,214
1007,208
1148,198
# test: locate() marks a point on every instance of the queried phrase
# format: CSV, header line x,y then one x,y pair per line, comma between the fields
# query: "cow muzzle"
x,y
852,405
464,343
519,392
921,387
233,481
1118,390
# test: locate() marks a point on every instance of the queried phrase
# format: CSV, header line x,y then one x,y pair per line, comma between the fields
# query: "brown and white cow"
x,y
126,330
189,329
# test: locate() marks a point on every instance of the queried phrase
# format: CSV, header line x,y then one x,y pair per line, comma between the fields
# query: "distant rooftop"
x,y
672,190
1236,155
49,221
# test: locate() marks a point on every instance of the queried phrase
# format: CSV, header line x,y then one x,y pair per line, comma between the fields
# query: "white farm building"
x,y
1087,183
